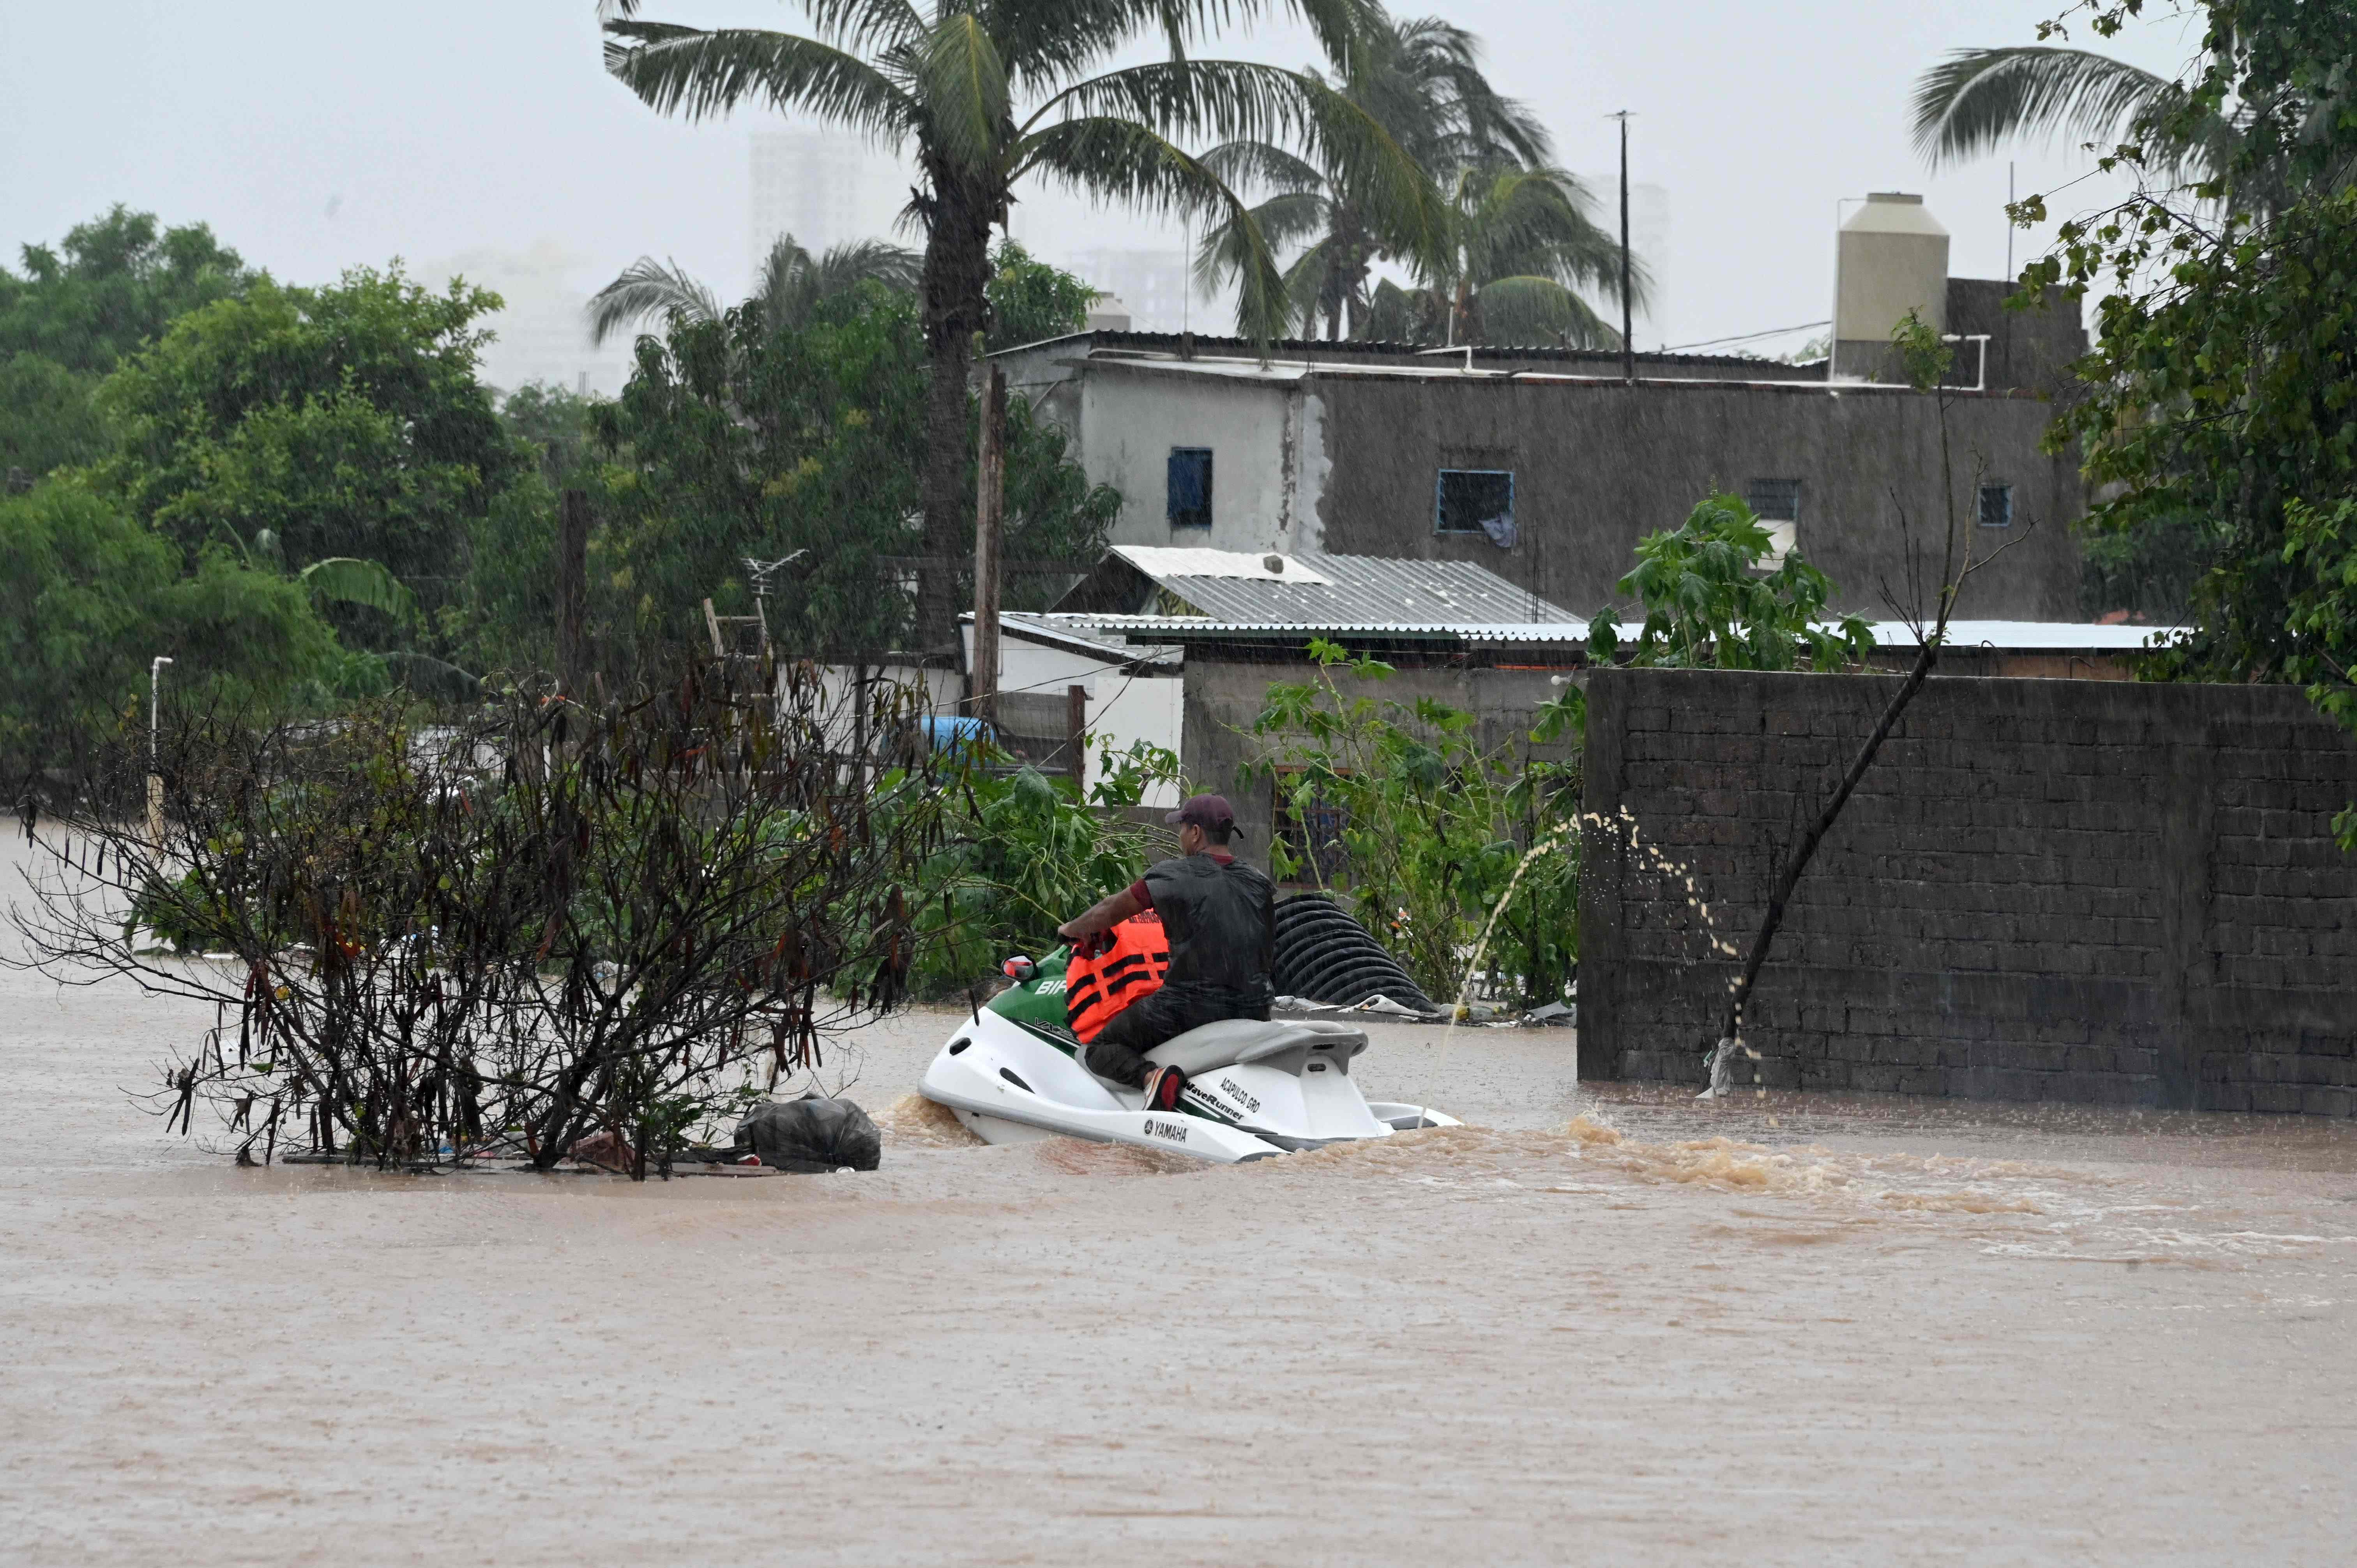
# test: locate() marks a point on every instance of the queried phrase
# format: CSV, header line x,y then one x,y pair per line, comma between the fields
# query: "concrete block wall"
x,y
2095,891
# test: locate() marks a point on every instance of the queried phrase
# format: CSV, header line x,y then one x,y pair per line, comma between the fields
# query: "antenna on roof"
x,y
1628,342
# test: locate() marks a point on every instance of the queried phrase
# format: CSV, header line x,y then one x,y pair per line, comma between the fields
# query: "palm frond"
x,y
854,262
962,82
1279,223
1423,78
1536,222
691,71
1196,99
1975,100
1309,282
1263,164
1116,159
1518,312
646,290
865,26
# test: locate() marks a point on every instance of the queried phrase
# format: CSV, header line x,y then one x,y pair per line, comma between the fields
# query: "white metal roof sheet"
x,y
1159,561
2004,635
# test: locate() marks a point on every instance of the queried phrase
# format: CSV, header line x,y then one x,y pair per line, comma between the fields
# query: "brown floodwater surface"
x,y
1606,1324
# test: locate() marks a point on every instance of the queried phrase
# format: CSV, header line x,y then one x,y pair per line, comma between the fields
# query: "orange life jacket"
x,y
1095,988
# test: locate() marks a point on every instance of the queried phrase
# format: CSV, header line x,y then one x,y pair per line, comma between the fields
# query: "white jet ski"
x,y
1012,1073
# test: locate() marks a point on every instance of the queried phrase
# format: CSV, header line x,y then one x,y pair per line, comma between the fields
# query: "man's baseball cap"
x,y
1204,812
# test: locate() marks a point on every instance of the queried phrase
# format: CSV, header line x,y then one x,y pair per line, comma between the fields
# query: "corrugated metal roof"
x,y
2003,636
1194,628
1324,351
1351,590
1079,634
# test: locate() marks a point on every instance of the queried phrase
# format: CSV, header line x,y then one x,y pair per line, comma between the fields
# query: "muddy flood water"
x,y
1607,1324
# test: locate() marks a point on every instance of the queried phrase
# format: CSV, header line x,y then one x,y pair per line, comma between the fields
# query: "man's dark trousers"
x,y
1118,1051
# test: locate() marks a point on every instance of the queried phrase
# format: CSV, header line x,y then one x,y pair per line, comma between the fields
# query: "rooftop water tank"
x,y
1893,258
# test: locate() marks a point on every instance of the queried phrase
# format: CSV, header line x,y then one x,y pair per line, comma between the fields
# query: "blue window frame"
x,y
1189,502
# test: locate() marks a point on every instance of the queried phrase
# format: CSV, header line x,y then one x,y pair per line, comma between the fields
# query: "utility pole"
x,y
989,526
1628,342
154,754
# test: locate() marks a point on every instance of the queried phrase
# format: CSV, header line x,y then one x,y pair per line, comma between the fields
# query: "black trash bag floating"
x,y
810,1134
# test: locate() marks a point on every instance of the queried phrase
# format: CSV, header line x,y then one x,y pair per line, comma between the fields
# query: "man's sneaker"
x,y
1162,1087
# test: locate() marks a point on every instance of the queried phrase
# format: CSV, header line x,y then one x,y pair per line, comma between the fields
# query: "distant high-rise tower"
x,y
823,187
1154,286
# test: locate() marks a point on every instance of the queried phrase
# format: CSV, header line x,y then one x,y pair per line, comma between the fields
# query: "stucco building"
x,y
1547,466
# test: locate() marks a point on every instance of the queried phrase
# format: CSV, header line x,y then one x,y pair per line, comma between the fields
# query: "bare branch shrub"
x,y
539,924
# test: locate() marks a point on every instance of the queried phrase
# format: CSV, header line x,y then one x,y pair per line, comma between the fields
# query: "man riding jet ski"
x,y
1086,1048
1219,917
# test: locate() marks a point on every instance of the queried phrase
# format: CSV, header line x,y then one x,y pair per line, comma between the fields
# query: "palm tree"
x,y
989,95
789,289
1975,100
1422,82
1522,245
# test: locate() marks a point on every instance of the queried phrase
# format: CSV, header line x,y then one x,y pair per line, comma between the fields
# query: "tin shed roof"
x,y
1238,588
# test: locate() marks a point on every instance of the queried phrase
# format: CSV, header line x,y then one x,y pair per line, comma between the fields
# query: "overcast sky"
x,y
314,136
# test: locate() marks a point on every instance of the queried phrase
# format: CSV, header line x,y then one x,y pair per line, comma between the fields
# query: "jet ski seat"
x,y
1234,1042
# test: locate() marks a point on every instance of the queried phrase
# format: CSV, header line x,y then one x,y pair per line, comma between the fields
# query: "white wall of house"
x,y
1036,670
1125,710
934,691
1254,429
1122,709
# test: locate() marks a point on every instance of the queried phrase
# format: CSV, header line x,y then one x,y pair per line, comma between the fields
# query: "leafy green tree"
x,y
990,97
1020,852
1422,82
47,418
2225,371
345,421
1713,600
110,286
88,597
1031,301
734,440
553,422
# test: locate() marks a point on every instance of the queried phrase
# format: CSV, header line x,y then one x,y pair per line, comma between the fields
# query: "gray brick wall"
x,y
2095,891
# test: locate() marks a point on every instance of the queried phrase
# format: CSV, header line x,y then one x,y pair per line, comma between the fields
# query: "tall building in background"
x,y
1153,284
542,334
824,189
1649,243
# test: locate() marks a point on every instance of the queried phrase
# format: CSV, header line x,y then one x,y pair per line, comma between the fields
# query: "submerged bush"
x,y
539,924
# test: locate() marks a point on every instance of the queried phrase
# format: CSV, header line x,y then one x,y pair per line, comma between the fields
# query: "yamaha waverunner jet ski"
x,y
1013,1073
